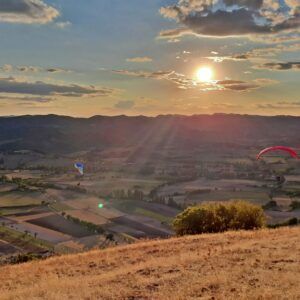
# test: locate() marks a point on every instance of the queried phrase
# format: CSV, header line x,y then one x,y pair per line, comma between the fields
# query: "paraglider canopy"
x,y
289,150
80,167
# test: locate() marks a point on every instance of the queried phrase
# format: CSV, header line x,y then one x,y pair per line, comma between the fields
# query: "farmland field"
x,y
91,204
253,196
43,233
7,248
8,199
156,211
60,224
87,216
12,241
138,224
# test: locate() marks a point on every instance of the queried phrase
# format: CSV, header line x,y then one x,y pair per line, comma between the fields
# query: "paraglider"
x,y
289,150
280,179
80,167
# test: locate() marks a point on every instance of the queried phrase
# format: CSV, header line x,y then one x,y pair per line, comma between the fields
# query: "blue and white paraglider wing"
x,y
80,167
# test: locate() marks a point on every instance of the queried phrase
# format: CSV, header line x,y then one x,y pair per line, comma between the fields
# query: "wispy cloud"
x,y
279,105
32,69
125,104
280,66
63,25
38,99
181,81
15,86
255,53
139,59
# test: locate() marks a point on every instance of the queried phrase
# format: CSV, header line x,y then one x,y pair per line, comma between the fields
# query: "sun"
x,y
204,74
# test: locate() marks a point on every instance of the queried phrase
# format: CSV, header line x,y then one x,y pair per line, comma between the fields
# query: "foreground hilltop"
x,y
235,265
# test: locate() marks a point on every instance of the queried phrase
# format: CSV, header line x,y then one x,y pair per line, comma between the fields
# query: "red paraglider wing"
x,y
292,152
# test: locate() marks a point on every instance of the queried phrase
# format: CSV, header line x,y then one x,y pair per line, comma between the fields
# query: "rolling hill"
x,y
62,134
235,265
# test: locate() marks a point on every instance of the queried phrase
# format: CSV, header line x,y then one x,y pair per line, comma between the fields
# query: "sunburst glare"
x,y
204,74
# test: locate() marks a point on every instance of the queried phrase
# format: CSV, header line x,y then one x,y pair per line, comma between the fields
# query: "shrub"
x,y
219,217
270,205
289,222
292,221
295,205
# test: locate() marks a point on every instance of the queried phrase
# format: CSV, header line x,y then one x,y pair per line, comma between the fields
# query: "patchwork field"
x,y
148,228
156,211
253,196
222,184
60,224
43,233
12,241
87,216
14,199
91,204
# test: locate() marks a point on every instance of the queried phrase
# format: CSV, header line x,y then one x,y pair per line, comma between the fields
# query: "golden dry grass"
x,y
261,264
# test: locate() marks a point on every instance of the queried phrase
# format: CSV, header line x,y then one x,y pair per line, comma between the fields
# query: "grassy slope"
x,y
243,265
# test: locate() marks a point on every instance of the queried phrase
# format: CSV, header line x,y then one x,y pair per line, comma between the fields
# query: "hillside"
x,y
235,265
61,134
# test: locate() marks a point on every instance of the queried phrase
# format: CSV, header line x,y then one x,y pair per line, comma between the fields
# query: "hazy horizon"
x,y
149,116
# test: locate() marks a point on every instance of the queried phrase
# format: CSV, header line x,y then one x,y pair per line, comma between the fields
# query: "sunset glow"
x,y
204,74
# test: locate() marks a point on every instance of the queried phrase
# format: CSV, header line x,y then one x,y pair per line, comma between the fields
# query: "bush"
x,y
219,217
289,222
295,205
270,205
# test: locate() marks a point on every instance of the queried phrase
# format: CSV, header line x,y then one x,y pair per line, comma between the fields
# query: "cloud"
x,y
280,66
183,82
231,17
57,70
125,104
15,86
27,11
145,74
27,69
63,25
258,53
28,98
279,105
31,69
236,85
139,59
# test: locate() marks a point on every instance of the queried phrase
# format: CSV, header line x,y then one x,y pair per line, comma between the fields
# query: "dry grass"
x,y
236,265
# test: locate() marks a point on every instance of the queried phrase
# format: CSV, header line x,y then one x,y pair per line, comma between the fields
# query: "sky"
x,y
149,57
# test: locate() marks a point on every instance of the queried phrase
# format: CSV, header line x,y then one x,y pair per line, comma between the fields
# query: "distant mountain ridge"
x,y
64,134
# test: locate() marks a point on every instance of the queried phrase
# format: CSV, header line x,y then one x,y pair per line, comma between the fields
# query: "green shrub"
x,y
219,217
